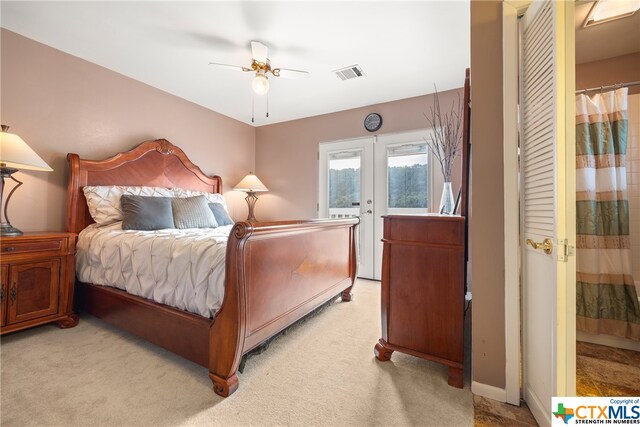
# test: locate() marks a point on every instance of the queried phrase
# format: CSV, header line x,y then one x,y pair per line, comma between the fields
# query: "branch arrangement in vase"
x,y
446,134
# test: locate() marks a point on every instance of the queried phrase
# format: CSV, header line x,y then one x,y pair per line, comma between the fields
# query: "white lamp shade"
x,y
260,84
16,154
250,183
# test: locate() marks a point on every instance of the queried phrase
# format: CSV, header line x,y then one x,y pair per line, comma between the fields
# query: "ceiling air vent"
x,y
349,73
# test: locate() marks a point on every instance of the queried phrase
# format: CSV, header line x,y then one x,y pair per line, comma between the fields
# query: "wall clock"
x,y
373,122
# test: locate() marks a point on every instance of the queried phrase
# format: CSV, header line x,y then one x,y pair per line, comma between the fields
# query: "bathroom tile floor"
x,y
489,413
606,371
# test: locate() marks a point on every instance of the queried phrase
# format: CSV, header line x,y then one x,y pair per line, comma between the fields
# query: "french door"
x,y
372,177
346,191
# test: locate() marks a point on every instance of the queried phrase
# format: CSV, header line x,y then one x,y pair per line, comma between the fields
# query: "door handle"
x,y
546,245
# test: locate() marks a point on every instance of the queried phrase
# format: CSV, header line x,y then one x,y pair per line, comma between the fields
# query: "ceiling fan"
x,y
261,65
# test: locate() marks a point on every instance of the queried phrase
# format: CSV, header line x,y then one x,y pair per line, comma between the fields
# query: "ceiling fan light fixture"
x,y
260,84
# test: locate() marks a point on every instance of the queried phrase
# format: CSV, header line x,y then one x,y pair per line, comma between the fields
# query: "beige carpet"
x,y
321,372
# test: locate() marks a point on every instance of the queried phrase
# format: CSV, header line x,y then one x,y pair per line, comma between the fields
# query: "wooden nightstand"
x,y
38,278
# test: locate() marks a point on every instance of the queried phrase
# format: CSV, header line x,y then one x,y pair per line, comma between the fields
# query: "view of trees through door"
x,y
372,177
407,182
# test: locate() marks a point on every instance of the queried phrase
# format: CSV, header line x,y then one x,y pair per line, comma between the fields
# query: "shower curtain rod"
x,y
614,86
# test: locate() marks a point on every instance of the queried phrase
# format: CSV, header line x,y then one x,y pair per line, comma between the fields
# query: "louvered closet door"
x,y
544,215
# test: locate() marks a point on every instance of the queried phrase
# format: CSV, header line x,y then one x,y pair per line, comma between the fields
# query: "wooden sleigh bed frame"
x,y
276,272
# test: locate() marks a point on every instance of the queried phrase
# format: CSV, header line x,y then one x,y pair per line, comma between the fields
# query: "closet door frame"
x,y
511,11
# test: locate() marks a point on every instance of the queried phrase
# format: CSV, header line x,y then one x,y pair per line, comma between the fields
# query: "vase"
x,y
446,201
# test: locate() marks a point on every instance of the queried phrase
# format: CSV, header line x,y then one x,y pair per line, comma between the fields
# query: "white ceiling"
x,y
606,40
404,48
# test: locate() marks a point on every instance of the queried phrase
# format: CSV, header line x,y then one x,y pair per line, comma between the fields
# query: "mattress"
x,y
182,268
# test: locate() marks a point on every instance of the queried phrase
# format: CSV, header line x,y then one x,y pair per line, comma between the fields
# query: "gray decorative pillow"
x,y
146,212
222,217
192,212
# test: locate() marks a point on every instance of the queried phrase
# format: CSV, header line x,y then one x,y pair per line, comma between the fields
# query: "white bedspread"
x,y
181,268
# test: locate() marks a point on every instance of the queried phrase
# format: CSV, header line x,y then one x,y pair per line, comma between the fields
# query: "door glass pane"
x,y
407,177
344,184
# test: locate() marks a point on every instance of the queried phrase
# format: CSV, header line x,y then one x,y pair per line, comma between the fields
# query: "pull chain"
x,y
253,106
267,104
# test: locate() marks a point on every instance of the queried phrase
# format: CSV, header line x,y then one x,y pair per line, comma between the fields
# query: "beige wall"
x,y
59,103
287,153
487,196
620,69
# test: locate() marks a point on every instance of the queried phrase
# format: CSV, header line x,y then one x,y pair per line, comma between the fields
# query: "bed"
x,y
275,272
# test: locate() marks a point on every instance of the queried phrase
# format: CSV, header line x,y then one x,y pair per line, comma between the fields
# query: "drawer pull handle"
x,y
9,249
13,294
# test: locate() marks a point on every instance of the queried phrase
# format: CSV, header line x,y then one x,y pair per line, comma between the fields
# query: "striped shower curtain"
x,y
607,301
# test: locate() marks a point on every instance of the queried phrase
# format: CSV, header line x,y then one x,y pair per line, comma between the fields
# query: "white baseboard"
x,y
540,413
608,340
489,391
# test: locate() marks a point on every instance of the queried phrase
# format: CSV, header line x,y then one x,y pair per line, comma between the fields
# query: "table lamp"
x,y
15,154
251,185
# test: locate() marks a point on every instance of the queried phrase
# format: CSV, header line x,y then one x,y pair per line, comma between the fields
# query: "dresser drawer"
x,y
431,230
30,246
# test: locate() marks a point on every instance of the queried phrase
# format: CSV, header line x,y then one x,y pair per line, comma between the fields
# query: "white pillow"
x,y
104,200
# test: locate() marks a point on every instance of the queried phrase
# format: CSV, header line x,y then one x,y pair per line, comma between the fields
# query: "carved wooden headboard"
x,y
153,163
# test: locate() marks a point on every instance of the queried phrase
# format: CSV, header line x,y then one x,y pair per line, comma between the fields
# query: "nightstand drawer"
x,y
35,246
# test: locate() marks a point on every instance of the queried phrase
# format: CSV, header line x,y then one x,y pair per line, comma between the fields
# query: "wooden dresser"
x,y
38,278
423,290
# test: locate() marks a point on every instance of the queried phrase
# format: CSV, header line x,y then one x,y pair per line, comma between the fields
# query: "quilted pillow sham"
x,y
104,200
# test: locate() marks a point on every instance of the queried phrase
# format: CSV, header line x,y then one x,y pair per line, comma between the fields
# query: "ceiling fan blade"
x,y
232,67
259,51
288,73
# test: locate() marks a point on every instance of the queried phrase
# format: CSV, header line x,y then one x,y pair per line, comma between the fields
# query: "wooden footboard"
x,y
276,273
